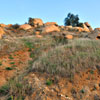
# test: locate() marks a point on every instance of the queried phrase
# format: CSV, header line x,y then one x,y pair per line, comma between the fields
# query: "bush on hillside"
x,y
15,26
72,20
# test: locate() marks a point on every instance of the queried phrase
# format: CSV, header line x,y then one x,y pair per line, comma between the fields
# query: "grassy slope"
x,y
51,57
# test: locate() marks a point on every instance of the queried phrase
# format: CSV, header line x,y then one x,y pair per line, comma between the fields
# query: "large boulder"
x,y
51,23
85,28
50,28
89,26
2,25
1,32
25,26
35,22
69,36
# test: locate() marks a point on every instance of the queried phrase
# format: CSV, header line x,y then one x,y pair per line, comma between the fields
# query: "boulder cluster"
x,y
38,27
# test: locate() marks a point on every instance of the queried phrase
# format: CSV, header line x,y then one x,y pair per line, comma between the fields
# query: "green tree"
x,y
72,20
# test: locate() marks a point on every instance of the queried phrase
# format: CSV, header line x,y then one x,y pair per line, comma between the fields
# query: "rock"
x,y
50,28
86,29
69,36
68,26
2,25
37,32
51,23
97,29
1,32
78,29
35,22
89,26
96,86
39,36
9,25
25,26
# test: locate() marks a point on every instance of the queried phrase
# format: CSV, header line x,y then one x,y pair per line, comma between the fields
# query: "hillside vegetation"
x,y
46,61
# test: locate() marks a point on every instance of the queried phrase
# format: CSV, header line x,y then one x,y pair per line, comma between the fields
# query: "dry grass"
x,y
50,57
68,59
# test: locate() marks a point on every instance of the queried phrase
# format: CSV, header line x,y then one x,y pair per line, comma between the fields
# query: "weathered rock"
x,y
89,26
51,23
9,25
1,32
25,27
2,25
69,36
36,22
86,29
37,32
50,28
97,29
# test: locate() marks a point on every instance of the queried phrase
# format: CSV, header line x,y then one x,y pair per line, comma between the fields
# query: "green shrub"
x,y
49,82
9,68
15,26
4,89
0,63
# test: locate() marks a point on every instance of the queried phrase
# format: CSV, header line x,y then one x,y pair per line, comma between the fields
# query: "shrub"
x,y
72,20
15,26
49,82
9,68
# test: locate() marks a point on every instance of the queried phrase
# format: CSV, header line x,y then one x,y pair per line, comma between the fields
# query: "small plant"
x,y
49,82
0,63
9,68
15,26
11,98
82,91
91,72
29,45
4,89
10,57
31,55
12,63
13,66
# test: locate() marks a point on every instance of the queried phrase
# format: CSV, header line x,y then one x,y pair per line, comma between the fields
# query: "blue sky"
x,y
18,11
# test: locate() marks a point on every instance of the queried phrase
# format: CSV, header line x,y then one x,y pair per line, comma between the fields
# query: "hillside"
x,y
45,61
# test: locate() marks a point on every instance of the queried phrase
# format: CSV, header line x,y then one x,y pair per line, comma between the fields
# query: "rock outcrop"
x,y
1,32
25,26
89,26
50,28
2,25
35,22
50,23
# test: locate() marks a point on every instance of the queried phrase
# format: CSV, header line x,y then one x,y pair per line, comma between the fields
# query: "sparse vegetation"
x,y
9,68
68,59
49,82
15,26
0,63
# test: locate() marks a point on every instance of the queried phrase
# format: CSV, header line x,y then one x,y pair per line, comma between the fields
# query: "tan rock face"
x,y
51,23
2,25
89,26
86,28
9,25
51,28
1,32
36,22
25,26
98,29
69,36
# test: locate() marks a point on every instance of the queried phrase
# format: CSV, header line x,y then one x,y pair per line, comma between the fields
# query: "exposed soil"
x,y
12,64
